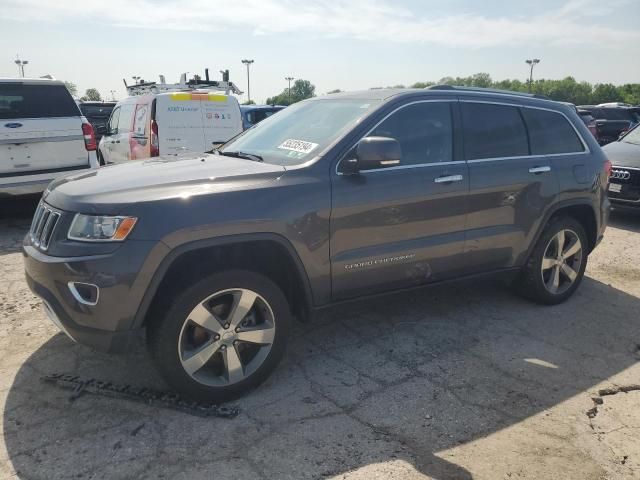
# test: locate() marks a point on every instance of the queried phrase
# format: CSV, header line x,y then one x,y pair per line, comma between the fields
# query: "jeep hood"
x,y
106,189
623,154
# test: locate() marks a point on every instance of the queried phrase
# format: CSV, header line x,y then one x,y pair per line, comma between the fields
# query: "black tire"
x,y
531,284
164,334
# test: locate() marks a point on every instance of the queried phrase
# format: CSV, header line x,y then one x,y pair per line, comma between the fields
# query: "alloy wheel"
x,y
562,261
226,337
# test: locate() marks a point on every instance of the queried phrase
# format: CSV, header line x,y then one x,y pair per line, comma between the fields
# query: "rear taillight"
x,y
89,137
608,167
155,143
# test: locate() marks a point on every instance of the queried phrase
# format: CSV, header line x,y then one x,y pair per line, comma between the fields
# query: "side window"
x,y
550,132
126,118
140,120
424,131
493,131
113,121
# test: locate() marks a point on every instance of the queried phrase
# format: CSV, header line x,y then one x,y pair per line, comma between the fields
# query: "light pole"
x,y
21,64
532,63
113,95
248,64
289,79
135,79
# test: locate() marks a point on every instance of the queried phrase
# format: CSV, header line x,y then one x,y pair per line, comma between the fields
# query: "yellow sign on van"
x,y
211,97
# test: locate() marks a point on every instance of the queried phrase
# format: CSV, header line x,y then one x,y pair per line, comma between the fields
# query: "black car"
x,y
611,122
97,113
331,199
624,154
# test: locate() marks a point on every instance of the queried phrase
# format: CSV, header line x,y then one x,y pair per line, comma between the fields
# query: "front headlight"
x,y
98,228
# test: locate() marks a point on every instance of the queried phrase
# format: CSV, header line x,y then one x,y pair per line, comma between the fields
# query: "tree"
x,y
606,92
300,90
249,102
422,84
337,90
73,89
91,95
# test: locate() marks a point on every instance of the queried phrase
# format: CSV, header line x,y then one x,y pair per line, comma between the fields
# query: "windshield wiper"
x,y
248,156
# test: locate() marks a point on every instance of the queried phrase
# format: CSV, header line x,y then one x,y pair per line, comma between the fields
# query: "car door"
x,y
108,141
121,151
509,188
403,225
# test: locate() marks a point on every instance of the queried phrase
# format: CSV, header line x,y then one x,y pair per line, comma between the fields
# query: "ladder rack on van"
x,y
195,83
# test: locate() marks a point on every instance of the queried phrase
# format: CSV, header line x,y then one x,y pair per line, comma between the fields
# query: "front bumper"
x,y
108,324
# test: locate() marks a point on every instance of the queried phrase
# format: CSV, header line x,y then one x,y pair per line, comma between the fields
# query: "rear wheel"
x,y
557,264
222,336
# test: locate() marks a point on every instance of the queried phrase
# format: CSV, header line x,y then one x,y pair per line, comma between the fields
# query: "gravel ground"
x,y
458,381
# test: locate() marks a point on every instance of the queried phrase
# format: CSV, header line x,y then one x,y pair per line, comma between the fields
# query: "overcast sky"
x,y
349,45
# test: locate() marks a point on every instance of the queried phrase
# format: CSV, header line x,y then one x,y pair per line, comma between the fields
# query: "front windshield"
x,y
299,132
633,136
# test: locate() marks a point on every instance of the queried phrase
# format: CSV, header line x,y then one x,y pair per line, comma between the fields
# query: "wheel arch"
x,y
245,251
580,209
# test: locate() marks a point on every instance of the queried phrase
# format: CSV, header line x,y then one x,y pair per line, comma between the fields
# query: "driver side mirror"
x,y
102,130
372,153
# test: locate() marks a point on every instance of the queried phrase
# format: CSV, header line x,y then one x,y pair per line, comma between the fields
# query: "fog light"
x,y
85,293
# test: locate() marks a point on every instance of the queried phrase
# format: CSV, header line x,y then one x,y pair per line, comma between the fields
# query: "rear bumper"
x,y
36,182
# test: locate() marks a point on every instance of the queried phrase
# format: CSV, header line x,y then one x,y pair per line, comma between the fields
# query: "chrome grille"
x,y
44,224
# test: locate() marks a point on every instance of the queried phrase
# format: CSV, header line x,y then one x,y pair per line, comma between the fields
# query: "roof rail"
x,y
487,90
196,83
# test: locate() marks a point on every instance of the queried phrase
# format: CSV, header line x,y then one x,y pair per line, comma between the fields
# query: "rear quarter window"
x,y
493,131
36,101
550,132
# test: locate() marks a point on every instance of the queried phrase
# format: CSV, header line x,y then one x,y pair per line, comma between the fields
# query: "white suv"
x,y
43,135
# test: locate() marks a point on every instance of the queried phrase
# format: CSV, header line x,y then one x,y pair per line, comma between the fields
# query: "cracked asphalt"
x,y
454,382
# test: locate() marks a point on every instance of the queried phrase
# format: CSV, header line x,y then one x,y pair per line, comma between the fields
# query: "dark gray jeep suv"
x,y
332,199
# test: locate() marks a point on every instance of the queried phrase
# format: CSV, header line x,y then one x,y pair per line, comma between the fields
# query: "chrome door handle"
x,y
448,179
537,170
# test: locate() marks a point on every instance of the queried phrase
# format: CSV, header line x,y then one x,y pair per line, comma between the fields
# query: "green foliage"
x,y
300,90
73,89
337,90
91,95
249,102
422,84
564,90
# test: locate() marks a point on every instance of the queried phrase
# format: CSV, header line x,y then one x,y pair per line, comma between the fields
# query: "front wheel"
x,y
557,264
222,336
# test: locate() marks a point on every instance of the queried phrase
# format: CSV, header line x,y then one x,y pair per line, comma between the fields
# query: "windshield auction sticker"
x,y
299,146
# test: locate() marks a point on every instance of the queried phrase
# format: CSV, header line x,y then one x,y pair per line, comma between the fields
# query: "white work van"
x,y
43,135
169,123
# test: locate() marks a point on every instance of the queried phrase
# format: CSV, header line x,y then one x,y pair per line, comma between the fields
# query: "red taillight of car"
x,y
89,137
608,167
155,143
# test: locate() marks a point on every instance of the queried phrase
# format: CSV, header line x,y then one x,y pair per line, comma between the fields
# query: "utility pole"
x,y
21,64
532,63
248,64
289,79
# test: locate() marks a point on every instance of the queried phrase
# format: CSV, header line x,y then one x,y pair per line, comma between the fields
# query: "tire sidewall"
x,y
164,334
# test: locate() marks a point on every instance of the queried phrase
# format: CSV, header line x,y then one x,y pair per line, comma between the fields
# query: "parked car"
x,y
42,135
611,122
252,114
587,117
624,187
168,123
98,114
331,199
